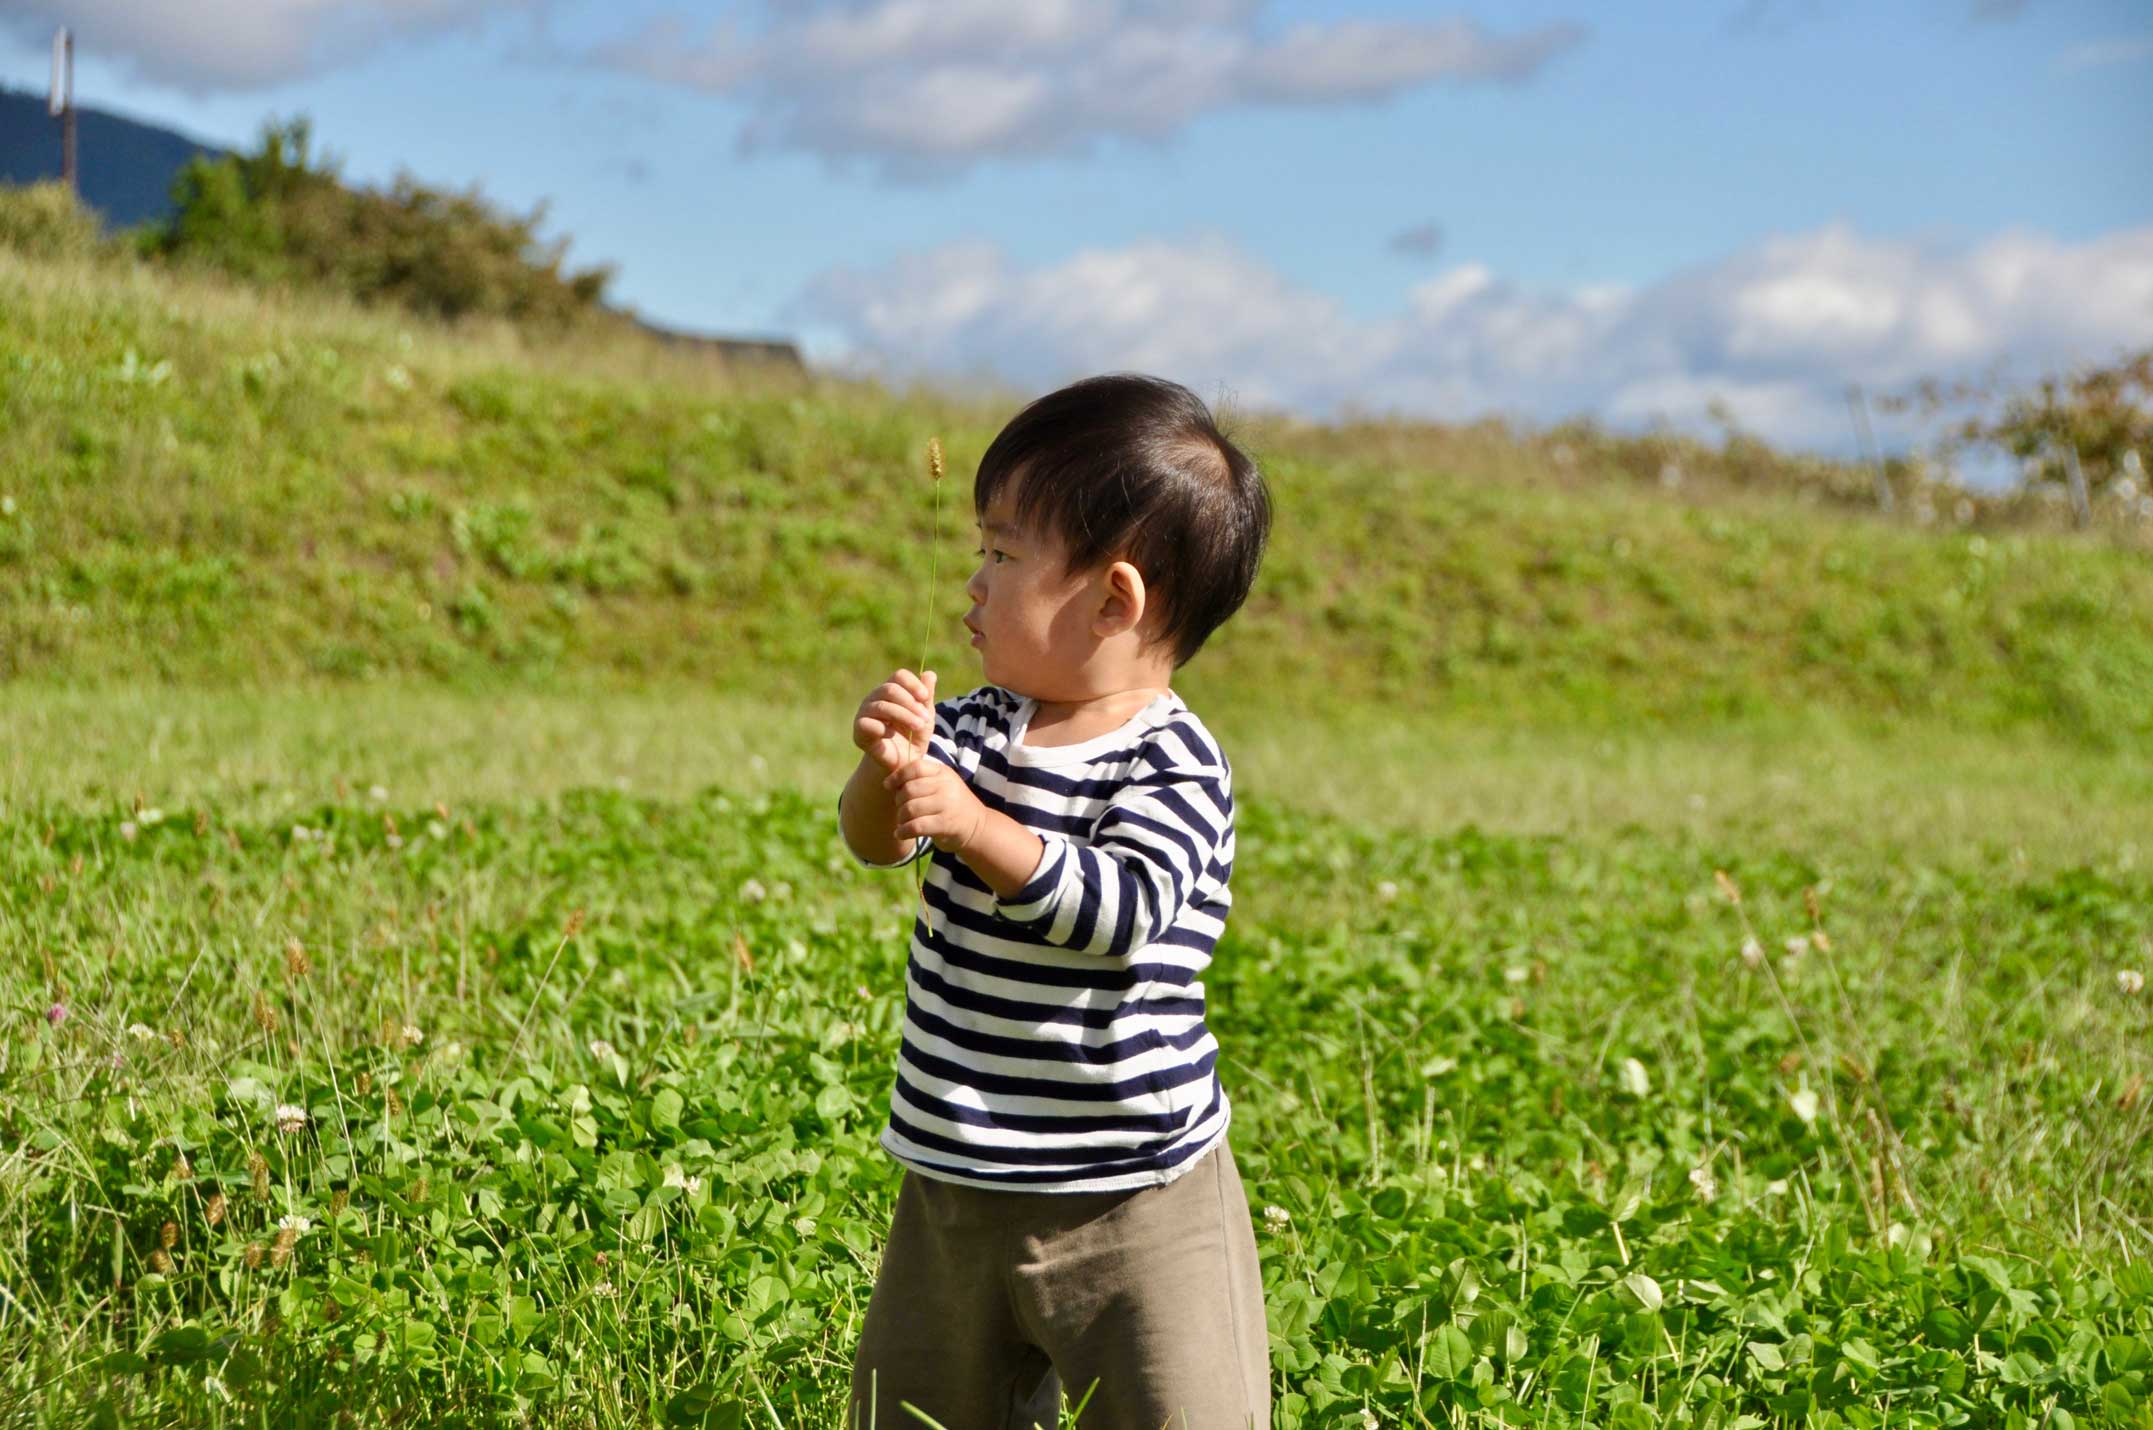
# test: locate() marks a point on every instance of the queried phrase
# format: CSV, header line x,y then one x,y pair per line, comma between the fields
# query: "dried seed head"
x,y
168,1235
1726,886
160,1263
296,963
338,1200
741,956
1809,901
214,1211
422,1190
201,823
392,1102
934,458
259,1166
574,925
265,1017
363,1083
253,1255
182,1169
281,1252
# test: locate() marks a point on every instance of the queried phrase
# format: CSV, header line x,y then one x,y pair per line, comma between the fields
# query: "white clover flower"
x,y
1701,1179
1386,891
604,1288
600,1048
1752,953
675,1177
141,1032
1516,973
2130,982
294,1223
1798,945
377,793
127,829
753,892
413,1035
1368,1419
291,1117
1277,1217
1777,1187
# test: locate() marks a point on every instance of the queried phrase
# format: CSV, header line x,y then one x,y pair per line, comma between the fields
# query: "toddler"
x,y
1069,1210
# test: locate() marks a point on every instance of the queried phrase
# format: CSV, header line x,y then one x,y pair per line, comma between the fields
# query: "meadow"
x,y
1687,965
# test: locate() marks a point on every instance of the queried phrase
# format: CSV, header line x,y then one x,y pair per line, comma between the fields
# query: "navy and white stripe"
x,y
1054,1041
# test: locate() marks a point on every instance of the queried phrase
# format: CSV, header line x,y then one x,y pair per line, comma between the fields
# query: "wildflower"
x,y
1777,1187
1277,1218
675,1177
2130,982
1752,953
862,991
1386,891
1804,1103
753,892
1797,945
294,1223
142,1032
1368,1419
413,1035
291,1117
1516,973
56,1014
377,794
127,830
600,1048
604,1288
1635,1080
1701,1178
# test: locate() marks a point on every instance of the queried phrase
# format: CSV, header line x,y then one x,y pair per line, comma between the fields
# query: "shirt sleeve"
x,y
948,744
1150,854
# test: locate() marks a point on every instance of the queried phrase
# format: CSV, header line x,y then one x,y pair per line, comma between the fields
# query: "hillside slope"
x,y
211,485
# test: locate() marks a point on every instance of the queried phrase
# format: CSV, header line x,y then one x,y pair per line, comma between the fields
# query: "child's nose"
x,y
976,588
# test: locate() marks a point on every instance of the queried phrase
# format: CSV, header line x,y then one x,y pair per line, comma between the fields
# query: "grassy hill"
x,y
210,484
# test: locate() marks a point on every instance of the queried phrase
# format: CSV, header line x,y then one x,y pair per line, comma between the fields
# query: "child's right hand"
x,y
895,720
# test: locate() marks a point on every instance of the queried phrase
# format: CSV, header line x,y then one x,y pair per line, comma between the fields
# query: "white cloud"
x,y
926,87
1775,330
2099,54
207,45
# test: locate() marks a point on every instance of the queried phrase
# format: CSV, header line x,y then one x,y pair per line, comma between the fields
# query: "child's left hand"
x,y
934,800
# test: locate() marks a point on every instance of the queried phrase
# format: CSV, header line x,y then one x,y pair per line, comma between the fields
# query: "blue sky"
x,y
1536,208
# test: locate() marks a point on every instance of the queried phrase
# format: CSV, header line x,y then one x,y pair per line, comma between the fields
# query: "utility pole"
x,y
62,104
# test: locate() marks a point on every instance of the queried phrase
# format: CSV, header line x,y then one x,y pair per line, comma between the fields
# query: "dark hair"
x,y
1128,467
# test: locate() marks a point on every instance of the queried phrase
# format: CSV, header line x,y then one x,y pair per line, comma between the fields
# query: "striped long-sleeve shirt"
x,y
1054,1040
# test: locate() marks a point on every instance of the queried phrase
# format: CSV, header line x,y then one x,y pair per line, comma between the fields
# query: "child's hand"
x,y
895,720
934,800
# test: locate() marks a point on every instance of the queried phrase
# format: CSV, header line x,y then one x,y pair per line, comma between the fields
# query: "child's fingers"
x,y
912,685
894,715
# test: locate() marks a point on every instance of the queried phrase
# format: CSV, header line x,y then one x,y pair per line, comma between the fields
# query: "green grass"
x,y
211,486
439,733
1547,1148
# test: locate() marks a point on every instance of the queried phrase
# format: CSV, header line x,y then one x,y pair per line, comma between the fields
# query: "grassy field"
x,y
1686,969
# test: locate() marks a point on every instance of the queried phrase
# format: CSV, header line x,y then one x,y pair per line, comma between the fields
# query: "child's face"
x,y
1030,624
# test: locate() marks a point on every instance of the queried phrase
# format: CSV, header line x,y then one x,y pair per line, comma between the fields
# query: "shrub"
x,y
281,213
47,221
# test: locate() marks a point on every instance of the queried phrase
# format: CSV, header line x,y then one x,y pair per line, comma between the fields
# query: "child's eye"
x,y
982,552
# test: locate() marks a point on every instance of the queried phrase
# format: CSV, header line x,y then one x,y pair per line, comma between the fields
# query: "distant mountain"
x,y
127,167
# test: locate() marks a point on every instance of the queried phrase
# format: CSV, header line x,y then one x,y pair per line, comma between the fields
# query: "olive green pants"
x,y
987,1302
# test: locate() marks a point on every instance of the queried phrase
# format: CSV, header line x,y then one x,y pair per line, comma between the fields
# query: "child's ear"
x,y
1123,607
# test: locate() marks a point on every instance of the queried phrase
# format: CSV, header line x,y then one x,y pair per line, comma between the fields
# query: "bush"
x,y
47,221
281,213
